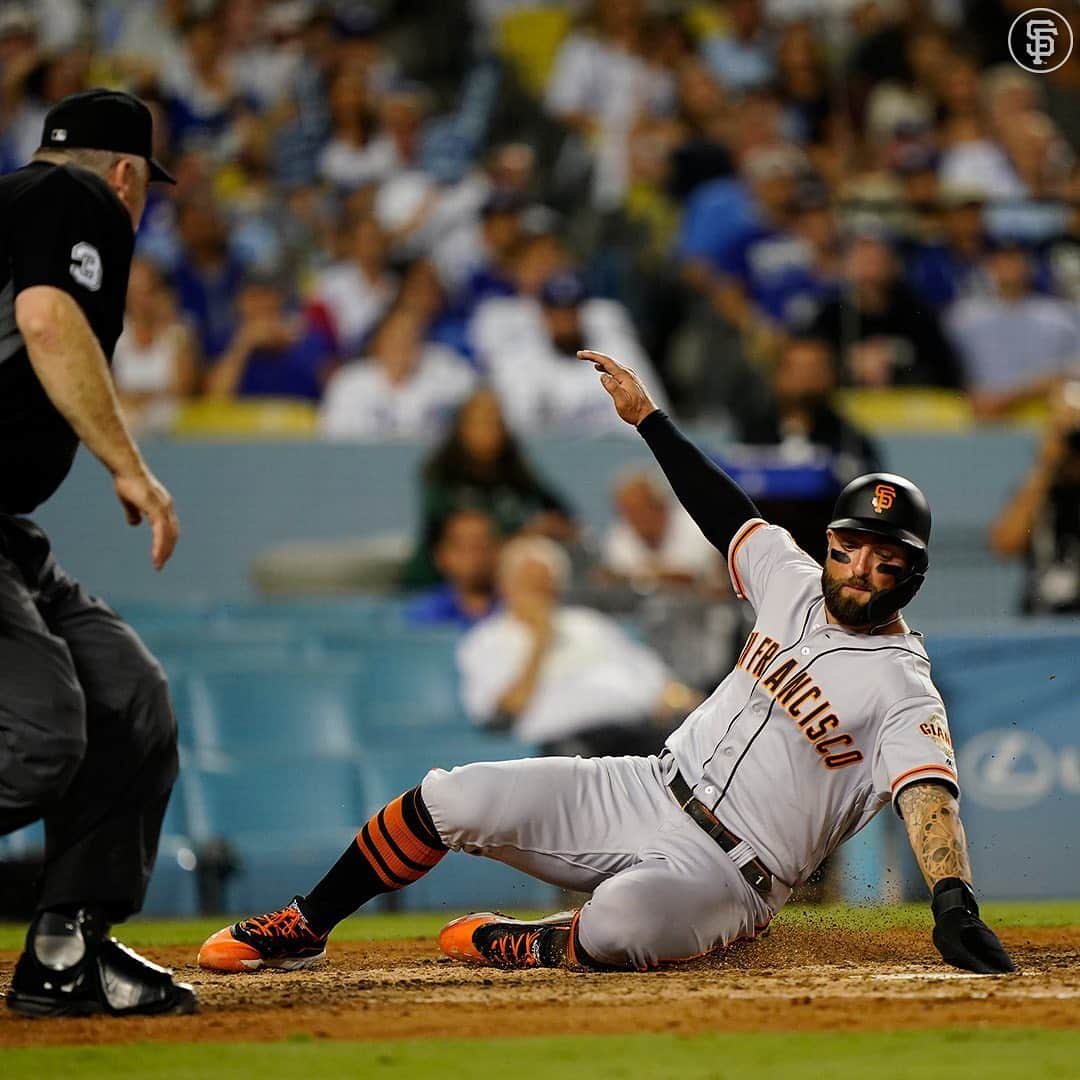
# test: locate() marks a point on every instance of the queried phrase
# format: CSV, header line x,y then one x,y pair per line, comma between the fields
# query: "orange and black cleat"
x,y
279,939
495,940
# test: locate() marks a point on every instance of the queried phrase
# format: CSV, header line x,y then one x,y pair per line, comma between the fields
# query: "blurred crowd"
x,y
412,215
382,206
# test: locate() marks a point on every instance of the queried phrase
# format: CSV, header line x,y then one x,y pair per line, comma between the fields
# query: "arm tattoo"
x,y
932,819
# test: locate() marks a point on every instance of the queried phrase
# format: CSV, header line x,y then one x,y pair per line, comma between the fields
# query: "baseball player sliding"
x,y
829,715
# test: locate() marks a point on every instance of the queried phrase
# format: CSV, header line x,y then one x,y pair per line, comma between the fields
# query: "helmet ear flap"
x,y
892,600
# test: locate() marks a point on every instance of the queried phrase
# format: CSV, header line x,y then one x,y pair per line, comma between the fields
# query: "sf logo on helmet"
x,y
884,494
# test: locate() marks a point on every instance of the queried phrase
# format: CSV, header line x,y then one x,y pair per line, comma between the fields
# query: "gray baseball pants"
x,y
662,890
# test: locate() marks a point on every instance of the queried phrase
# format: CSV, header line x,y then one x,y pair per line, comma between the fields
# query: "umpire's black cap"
x,y
102,119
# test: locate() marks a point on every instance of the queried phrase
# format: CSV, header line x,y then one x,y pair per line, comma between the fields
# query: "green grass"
x,y
1014,913
925,1055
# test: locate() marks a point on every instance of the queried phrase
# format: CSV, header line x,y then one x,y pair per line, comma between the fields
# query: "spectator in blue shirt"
x,y
788,274
207,275
765,264
465,555
742,59
274,352
948,269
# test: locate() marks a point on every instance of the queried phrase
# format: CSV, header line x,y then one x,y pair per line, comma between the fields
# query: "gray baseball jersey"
x,y
816,728
812,733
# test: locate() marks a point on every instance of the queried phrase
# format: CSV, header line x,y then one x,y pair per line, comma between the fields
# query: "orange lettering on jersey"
x,y
793,687
741,662
803,721
840,761
796,690
813,692
814,732
823,745
762,646
772,683
766,657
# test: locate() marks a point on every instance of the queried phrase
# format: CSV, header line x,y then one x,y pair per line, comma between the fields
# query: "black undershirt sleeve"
x,y
717,504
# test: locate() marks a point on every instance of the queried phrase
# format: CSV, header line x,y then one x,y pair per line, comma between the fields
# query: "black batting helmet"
x,y
890,506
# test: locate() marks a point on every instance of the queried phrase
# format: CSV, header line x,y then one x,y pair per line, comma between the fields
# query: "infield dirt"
x,y
801,979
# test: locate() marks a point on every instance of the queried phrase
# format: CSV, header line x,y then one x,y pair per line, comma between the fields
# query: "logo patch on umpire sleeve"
x,y
86,265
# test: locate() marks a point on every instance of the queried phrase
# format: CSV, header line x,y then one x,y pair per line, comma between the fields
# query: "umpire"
x,y
87,734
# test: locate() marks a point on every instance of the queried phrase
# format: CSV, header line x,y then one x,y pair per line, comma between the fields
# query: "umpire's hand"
x,y
632,401
143,495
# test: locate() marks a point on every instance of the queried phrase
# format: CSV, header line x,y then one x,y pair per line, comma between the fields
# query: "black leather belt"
x,y
755,873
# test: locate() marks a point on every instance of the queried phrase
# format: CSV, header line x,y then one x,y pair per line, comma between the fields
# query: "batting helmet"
x,y
891,506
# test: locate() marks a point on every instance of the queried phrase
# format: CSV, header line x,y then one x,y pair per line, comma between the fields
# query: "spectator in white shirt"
x,y
155,363
565,678
600,84
1015,344
655,542
347,160
517,318
541,383
353,294
404,389
357,155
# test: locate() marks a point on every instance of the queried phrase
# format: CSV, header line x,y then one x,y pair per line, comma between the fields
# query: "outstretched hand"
x,y
143,496
632,401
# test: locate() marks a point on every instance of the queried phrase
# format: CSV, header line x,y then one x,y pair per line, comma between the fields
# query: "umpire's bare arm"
x,y
71,367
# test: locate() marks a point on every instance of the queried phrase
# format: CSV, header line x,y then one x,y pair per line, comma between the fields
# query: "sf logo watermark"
x,y
1040,40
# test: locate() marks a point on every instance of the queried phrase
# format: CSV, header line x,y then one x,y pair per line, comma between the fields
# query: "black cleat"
x,y
71,968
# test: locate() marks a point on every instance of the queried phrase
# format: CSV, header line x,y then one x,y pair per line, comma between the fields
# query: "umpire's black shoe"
x,y
71,968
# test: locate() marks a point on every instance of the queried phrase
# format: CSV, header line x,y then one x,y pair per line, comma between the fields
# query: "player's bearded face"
x,y
847,605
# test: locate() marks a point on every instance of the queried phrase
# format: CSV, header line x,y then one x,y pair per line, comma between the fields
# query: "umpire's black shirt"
x,y
59,226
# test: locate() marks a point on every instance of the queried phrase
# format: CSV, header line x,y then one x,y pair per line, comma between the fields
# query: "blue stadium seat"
x,y
23,842
256,803
413,684
268,711
288,821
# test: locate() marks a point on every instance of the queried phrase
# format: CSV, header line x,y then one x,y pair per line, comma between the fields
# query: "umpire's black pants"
x,y
87,733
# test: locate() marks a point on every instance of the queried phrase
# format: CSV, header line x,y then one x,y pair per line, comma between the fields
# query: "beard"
x,y
844,607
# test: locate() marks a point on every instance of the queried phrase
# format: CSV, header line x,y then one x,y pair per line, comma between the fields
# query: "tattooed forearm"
x,y
932,819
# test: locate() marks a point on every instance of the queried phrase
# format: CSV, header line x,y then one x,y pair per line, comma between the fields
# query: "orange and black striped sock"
x,y
396,847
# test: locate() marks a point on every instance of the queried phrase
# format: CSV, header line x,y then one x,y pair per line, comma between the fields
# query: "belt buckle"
x,y
760,880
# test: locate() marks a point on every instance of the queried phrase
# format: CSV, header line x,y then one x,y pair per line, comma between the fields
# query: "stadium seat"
x,y
529,38
286,821
413,682
907,410
23,842
266,711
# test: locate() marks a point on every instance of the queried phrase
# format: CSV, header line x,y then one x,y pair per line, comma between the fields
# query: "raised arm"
x,y
717,504
932,819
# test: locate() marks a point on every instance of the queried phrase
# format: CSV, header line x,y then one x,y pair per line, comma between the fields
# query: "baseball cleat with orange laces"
x,y
279,939
493,939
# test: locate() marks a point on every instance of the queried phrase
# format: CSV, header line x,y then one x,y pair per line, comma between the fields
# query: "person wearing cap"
x,y
539,381
86,725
